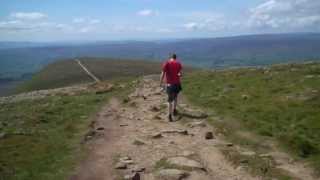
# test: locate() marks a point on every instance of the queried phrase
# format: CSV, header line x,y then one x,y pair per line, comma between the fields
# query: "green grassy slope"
x,y
68,72
43,137
281,102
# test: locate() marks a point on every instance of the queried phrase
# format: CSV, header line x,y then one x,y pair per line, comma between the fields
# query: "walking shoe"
x,y
175,112
170,118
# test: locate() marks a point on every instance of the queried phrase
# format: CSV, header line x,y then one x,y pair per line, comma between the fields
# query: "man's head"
x,y
174,56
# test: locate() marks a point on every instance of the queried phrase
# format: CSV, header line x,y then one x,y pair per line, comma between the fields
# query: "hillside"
x,y
280,102
68,72
264,124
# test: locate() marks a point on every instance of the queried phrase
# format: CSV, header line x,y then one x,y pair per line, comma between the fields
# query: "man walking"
x,y
172,70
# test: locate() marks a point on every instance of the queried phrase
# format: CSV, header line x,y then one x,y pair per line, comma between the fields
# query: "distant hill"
x,y
68,72
253,50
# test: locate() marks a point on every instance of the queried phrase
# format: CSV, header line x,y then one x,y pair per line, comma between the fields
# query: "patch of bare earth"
x,y
136,141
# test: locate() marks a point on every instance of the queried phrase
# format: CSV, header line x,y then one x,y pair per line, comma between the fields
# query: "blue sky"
x,y
69,20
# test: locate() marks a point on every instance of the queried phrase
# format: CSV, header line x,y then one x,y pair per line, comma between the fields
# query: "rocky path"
x,y
134,140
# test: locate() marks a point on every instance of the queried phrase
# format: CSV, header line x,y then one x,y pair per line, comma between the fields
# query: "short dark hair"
x,y
174,56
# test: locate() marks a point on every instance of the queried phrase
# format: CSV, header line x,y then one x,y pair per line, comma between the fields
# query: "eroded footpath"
x,y
132,139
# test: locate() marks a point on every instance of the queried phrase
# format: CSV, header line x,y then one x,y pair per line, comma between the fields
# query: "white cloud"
x,y
78,20
286,14
146,12
86,29
28,15
206,21
86,21
95,21
192,26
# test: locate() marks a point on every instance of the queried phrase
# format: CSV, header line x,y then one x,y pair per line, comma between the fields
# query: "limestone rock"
x,y
187,153
172,174
121,165
248,153
157,136
197,124
138,169
185,162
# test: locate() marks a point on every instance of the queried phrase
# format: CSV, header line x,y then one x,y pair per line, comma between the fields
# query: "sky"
x,y
99,20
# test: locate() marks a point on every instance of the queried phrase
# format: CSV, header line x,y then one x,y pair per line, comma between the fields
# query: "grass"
x,y
43,137
280,102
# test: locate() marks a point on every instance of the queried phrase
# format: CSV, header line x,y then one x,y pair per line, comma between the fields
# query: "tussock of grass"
x,y
281,102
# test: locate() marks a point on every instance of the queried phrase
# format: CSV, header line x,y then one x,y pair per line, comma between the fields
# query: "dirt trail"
x,y
139,134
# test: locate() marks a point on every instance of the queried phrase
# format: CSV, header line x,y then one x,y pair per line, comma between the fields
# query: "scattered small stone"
x,y
155,109
3,135
157,117
209,135
183,132
245,97
144,97
100,128
138,142
138,169
90,135
229,144
244,161
125,158
128,162
121,165
133,176
265,156
172,174
157,136
185,162
187,153
309,76
171,142
197,124
248,153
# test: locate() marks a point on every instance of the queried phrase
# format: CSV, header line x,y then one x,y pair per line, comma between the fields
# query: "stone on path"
x,y
138,142
133,176
172,174
187,153
197,124
138,169
248,153
185,162
209,135
184,132
121,165
157,136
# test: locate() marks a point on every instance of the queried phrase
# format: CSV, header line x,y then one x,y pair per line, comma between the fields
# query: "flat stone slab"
x,y
172,174
185,162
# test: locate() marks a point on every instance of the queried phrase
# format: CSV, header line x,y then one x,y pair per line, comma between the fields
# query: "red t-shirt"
x,y
172,70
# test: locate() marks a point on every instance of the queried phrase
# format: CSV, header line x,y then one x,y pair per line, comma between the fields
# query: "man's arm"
x,y
161,78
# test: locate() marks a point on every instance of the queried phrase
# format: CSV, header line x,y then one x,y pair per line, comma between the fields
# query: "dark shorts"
x,y
173,91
